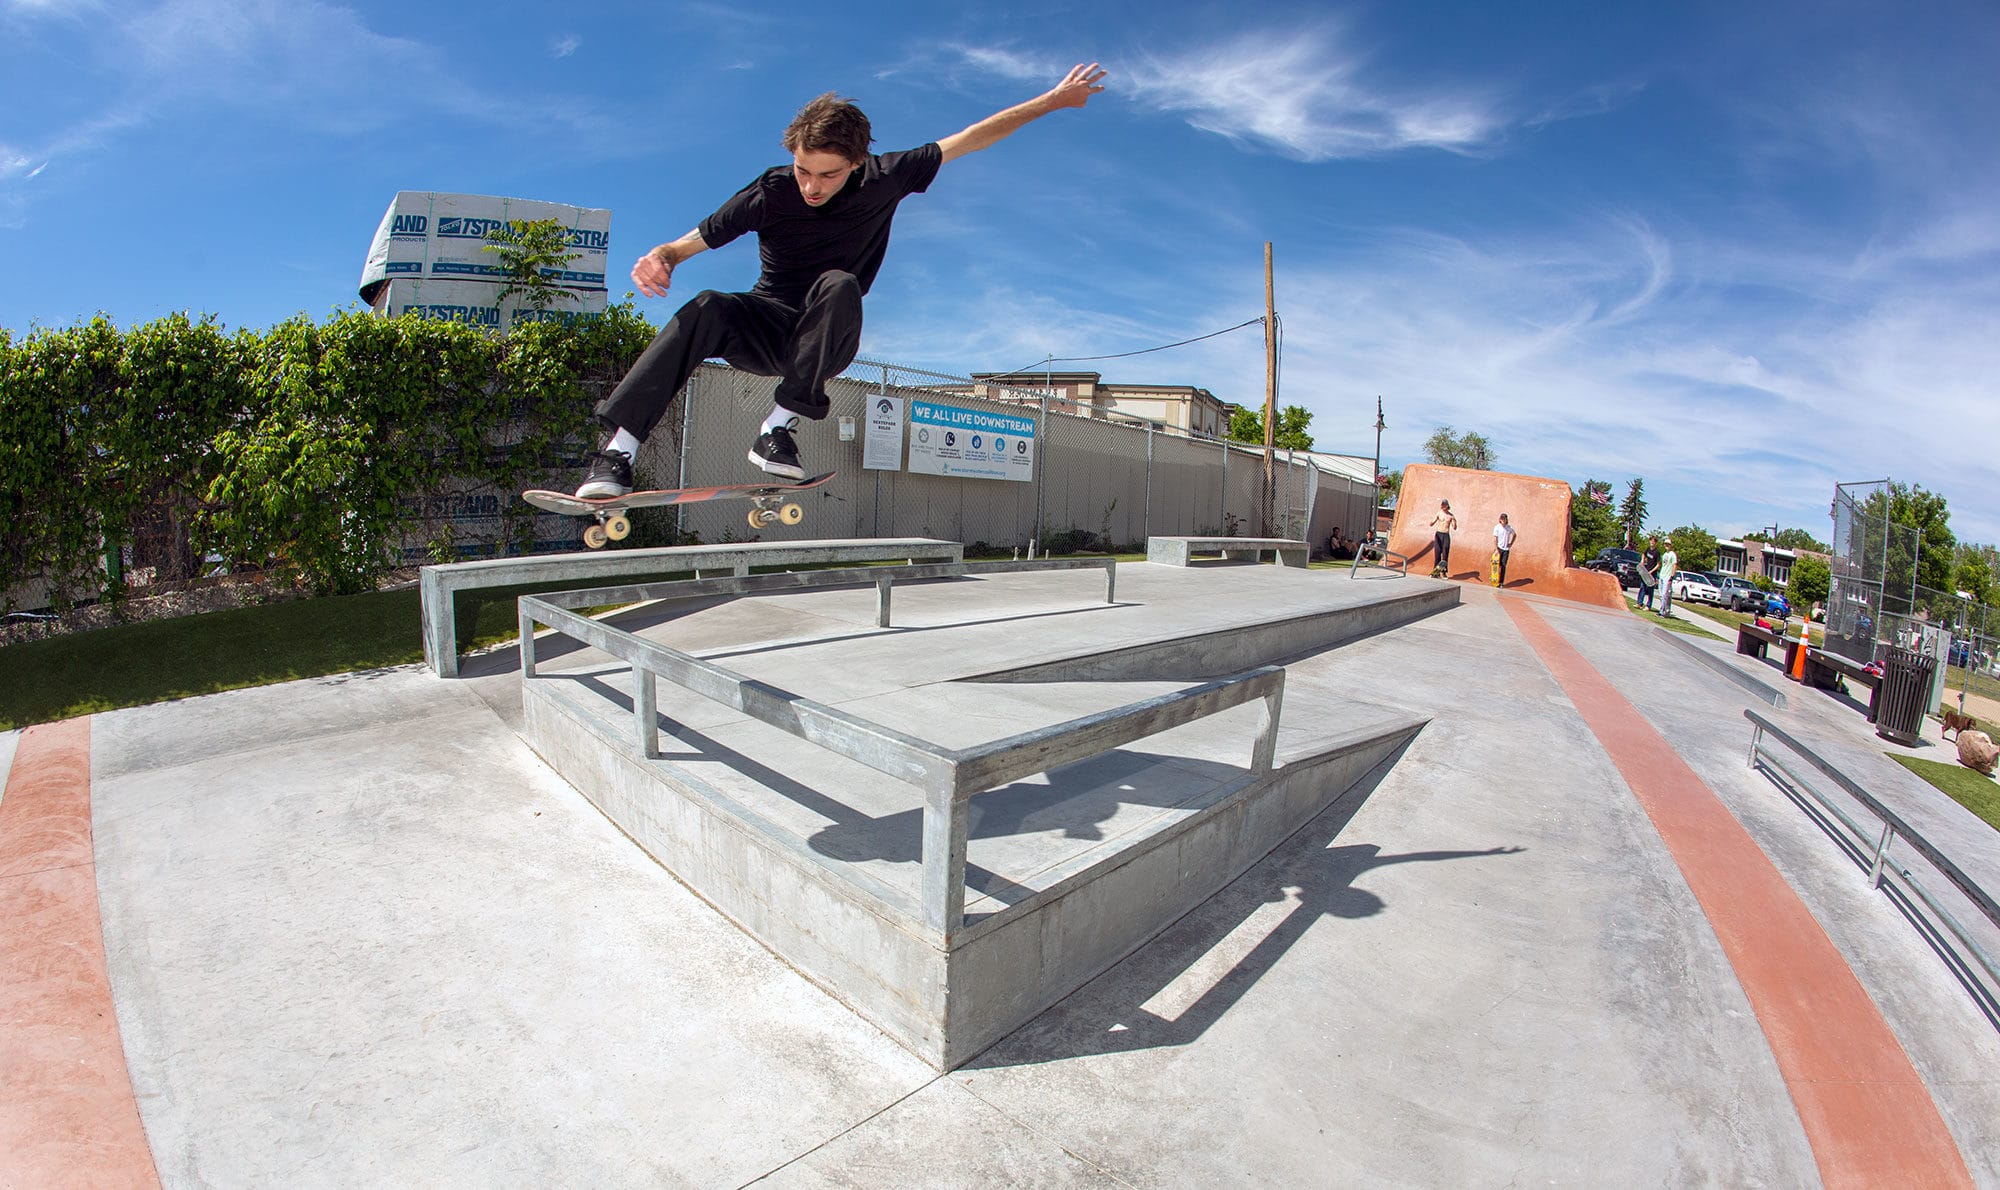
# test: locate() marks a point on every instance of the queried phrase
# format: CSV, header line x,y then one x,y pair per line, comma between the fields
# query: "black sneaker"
x,y
610,474
777,453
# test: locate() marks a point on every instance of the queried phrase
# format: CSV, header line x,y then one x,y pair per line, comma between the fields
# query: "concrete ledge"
x,y
1178,551
1722,665
946,997
439,584
1232,650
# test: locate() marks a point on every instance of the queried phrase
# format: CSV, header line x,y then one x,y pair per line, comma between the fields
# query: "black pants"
x,y
1441,546
1503,566
803,347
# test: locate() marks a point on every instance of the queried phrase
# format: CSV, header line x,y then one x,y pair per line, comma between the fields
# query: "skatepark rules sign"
x,y
882,444
971,443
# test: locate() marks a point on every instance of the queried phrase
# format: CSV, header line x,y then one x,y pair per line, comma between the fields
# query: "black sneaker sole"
x,y
778,469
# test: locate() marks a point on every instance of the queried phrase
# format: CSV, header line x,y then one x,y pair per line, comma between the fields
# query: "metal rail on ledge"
x,y
948,777
1893,827
882,577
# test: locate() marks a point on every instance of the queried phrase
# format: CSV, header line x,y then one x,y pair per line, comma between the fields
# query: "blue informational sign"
x,y
971,443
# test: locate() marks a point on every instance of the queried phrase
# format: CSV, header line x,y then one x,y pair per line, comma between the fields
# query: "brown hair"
x,y
830,124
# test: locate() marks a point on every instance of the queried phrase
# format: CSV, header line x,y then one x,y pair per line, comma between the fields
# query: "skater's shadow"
x,y
1168,992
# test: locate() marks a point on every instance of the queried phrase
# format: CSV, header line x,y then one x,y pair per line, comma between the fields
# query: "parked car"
x,y
1739,594
1692,586
1775,604
1619,561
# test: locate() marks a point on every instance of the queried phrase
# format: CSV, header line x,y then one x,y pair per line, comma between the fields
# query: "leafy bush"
x,y
308,448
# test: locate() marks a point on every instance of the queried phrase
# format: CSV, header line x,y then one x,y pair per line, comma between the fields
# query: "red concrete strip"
x,y
1868,1115
67,1112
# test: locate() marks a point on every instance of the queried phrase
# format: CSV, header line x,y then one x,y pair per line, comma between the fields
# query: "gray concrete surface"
x,y
359,935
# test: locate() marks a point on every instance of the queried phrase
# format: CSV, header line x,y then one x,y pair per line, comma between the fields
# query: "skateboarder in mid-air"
x,y
822,227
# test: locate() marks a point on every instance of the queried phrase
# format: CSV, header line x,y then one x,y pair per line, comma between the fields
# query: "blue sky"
x,y
1742,251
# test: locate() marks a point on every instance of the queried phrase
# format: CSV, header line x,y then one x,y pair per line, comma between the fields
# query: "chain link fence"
x,y
1875,601
1100,481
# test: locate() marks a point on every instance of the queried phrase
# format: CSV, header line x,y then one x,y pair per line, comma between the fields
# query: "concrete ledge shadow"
x,y
1109,1014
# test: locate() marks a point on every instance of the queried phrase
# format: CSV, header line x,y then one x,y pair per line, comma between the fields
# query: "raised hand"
x,y
1077,87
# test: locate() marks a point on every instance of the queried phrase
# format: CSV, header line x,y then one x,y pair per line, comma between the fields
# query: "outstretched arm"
x,y
1074,91
654,272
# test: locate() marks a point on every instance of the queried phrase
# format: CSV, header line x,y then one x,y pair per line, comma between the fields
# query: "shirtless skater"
x,y
822,227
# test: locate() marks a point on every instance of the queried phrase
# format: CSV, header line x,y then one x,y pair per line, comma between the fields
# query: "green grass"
x,y
1674,625
136,664
132,665
1976,792
1723,615
1955,678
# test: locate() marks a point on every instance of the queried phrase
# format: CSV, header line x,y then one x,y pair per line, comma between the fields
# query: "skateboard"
x,y
769,505
1493,569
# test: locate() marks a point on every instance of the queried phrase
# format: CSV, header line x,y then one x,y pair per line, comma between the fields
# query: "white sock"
x,y
624,441
780,416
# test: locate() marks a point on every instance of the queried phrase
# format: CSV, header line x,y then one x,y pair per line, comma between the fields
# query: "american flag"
x,y
1600,495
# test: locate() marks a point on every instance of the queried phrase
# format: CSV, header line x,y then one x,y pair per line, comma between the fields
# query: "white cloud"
x,y
318,67
1304,94
1603,348
565,45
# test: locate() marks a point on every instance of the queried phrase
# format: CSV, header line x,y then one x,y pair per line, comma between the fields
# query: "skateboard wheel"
x,y
618,528
757,520
791,514
595,537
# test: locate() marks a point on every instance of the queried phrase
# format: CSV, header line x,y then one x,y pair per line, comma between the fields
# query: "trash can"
x,y
1906,693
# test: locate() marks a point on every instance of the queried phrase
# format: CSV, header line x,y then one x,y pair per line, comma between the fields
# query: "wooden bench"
x,y
1179,551
441,583
1752,641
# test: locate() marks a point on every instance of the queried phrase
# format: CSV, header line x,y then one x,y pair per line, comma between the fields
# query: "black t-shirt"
x,y
849,232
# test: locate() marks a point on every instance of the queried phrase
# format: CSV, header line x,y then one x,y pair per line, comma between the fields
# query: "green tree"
x,y
1391,483
1975,575
1632,512
1470,450
1592,526
1810,582
1695,547
533,253
1247,425
1919,550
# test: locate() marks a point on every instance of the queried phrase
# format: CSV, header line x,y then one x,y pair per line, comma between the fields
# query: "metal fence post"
x,y
1146,522
687,421
1041,470
1222,523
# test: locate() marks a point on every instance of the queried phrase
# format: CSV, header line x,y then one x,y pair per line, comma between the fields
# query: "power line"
x,y
1042,364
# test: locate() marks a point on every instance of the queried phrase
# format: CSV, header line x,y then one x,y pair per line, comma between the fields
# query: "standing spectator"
x,y
1503,543
1669,562
1442,523
1649,573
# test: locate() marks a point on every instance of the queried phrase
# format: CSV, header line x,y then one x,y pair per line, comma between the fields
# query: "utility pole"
x,y
1374,495
1270,398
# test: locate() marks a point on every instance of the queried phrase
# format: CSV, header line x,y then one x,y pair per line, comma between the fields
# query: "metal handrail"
x,y
1893,827
881,577
948,777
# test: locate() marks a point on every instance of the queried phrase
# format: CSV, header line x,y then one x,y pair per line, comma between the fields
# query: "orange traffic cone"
x,y
1798,673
